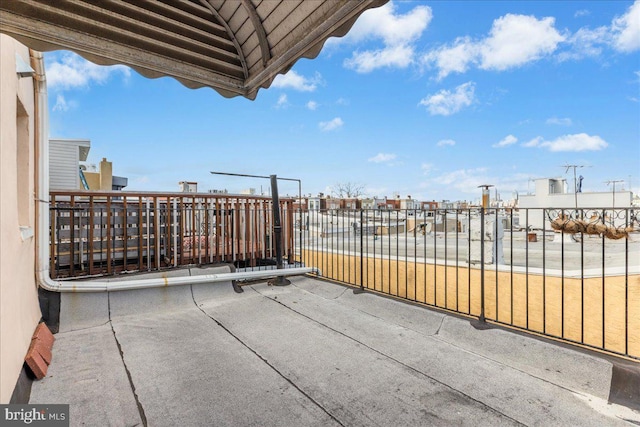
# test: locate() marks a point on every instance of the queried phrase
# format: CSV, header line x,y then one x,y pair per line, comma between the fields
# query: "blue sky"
x,y
428,99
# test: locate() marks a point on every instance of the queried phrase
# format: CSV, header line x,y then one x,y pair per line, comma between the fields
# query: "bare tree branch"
x,y
348,190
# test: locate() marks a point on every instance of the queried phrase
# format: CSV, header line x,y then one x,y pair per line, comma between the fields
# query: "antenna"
x,y
575,180
614,189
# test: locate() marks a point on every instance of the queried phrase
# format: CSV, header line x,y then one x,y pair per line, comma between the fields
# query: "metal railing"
x,y
572,275
104,233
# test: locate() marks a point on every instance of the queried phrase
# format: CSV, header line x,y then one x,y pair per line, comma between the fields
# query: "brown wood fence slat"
x,y
109,232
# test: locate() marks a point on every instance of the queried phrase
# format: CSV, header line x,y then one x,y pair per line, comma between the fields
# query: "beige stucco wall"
x,y
19,309
101,180
93,180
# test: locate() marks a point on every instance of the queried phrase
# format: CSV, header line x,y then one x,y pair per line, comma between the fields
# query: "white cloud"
x,y
514,40
61,103
533,142
283,101
331,124
468,181
395,56
382,158
398,34
312,105
573,142
623,35
586,43
70,71
446,102
445,142
454,58
506,141
465,180
427,168
559,121
383,23
626,29
518,39
293,80
581,12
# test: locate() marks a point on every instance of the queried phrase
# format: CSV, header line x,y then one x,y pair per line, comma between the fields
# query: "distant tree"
x,y
348,190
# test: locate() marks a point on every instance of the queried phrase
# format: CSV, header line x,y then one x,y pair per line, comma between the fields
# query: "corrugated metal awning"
x,y
234,46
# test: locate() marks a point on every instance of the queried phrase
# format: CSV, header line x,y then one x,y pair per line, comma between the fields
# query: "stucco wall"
x,y
19,309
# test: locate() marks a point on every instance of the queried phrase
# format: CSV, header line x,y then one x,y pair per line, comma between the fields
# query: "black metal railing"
x,y
569,274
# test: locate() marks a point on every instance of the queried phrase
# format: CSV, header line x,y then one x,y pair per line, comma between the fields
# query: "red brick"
x,y
43,350
43,334
36,363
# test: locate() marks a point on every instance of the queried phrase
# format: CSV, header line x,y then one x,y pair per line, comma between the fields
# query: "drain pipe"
x,y
42,219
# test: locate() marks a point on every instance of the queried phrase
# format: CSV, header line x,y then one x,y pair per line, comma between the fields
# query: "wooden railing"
x,y
104,233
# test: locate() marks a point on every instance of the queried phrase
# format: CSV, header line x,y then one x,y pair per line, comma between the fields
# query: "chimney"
x,y
106,175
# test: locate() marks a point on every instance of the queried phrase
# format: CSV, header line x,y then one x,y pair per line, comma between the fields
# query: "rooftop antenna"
x,y
575,180
614,189
529,182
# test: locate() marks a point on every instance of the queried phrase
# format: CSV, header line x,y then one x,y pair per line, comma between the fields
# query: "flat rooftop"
x,y
311,353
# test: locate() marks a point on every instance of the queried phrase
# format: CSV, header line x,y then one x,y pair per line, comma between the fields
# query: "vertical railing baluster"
x,y
582,237
361,251
435,258
544,272
496,260
526,233
526,267
482,319
109,235
626,284
175,231
125,234
457,257
446,291
603,283
72,237
54,246
469,263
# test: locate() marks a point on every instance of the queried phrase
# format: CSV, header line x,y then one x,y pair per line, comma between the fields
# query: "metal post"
x,y
277,227
361,288
300,218
482,319
485,207
277,232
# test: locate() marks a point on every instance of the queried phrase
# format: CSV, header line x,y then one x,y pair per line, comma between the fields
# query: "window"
x,y
22,164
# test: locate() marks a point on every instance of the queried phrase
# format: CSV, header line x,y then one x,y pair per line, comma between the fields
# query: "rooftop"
x,y
312,353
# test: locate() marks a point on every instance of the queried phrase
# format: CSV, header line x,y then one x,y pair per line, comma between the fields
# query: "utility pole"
x,y
614,189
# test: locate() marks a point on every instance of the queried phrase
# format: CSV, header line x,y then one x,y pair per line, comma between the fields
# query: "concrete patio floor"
x,y
312,353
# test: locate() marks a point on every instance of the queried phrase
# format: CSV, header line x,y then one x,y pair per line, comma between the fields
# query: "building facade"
x,y
19,307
